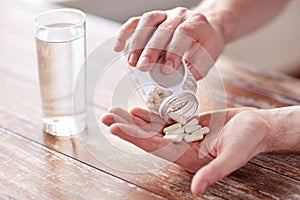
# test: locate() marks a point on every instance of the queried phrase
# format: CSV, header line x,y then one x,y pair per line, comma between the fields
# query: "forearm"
x,y
284,134
235,18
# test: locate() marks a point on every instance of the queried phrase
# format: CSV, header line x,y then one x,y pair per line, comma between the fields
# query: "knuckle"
x,y
150,16
181,10
186,28
168,26
199,17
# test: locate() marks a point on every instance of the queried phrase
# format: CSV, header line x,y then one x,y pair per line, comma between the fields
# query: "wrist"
x,y
221,19
284,133
214,43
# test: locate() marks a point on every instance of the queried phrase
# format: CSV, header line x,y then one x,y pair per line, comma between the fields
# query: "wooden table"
x,y
35,165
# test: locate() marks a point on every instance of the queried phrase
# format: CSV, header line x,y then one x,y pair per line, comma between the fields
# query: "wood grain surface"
x,y
33,171
20,113
36,165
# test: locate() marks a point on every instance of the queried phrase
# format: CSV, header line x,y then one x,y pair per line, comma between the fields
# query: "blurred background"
x,y
275,46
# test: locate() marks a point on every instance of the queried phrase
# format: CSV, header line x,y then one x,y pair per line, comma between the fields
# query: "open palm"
x,y
235,137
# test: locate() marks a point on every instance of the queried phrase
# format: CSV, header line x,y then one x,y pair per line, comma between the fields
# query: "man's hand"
x,y
179,31
236,136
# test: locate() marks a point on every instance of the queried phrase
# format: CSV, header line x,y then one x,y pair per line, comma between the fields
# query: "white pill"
x,y
167,93
159,90
172,127
193,138
176,107
149,104
157,101
177,118
174,138
150,99
175,131
156,97
192,122
192,128
202,131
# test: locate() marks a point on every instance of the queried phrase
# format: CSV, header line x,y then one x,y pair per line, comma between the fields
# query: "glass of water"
x,y
61,52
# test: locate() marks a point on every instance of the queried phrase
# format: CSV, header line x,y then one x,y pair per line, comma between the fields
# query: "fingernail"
x,y
132,59
118,46
167,67
143,63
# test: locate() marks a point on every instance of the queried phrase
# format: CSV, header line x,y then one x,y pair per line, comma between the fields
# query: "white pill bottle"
x,y
165,93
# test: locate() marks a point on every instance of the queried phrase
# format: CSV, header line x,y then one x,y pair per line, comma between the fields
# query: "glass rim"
x,y
71,10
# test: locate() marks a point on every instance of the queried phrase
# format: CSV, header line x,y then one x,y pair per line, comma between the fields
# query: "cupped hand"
x,y
180,31
236,135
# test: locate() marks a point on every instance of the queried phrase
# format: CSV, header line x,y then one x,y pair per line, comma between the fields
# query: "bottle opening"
x,y
174,80
184,104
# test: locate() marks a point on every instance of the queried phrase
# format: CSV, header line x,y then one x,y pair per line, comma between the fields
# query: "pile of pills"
x,y
156,97
183,130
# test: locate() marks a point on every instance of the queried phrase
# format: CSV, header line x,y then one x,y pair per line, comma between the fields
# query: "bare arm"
x,y
246,133
285,129
235,18
257,130
209,26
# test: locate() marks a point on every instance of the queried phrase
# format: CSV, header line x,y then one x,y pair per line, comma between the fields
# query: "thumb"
x,y
241,140
225,163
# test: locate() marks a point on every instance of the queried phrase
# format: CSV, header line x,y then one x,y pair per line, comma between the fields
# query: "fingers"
x,y
176,31
154,48
109,119
146,115
146,140
223,165
161,38
124,115
119,115
178,46
195,29
198,61
154,144
126,30
143,32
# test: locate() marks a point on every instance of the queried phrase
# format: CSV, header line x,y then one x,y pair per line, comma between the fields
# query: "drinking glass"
x,y
61,52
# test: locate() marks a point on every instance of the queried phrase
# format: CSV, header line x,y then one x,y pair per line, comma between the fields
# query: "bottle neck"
x,y
184,104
